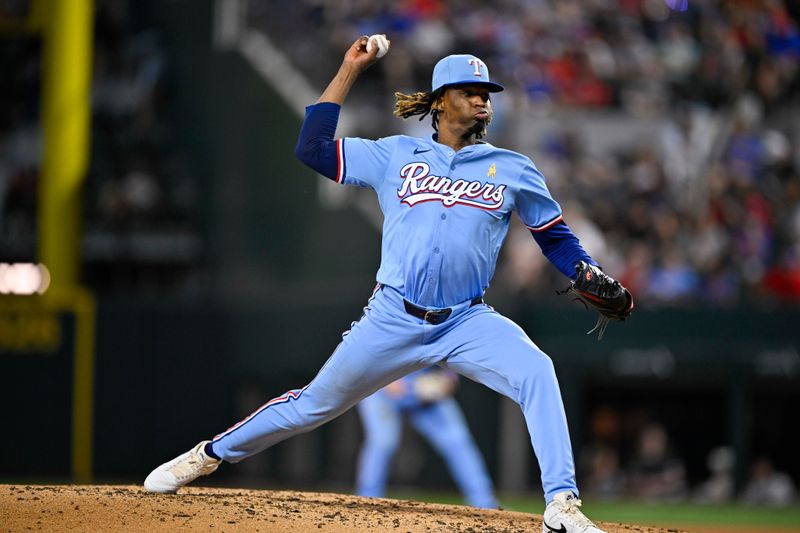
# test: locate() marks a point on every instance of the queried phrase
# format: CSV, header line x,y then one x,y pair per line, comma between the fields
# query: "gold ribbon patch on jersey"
x,y
492,171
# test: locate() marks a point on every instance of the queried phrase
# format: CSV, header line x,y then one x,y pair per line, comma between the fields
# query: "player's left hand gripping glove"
x,y
603,293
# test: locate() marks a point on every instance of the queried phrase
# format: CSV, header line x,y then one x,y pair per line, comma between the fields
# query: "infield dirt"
x,y
106,508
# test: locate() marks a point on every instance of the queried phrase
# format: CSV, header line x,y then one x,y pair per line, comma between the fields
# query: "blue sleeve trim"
x,y
315,145
562,248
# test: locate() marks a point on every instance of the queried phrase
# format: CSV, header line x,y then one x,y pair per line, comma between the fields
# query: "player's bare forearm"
x,y
356,60
340,85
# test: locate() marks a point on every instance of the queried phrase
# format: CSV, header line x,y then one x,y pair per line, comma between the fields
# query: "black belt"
x,y
435,316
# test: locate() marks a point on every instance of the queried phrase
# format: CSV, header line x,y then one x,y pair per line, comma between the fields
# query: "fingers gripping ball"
x,y
602,293
381,42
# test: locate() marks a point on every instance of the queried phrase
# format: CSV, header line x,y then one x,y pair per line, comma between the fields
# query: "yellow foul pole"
x,y
67,40
66,114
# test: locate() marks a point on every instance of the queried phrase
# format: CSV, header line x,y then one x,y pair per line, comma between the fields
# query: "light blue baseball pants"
x,y
442,424
388,343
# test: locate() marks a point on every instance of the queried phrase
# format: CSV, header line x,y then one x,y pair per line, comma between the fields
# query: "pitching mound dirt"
x,y
127,508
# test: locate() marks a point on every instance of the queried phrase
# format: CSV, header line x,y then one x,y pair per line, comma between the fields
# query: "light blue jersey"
x,y
446,213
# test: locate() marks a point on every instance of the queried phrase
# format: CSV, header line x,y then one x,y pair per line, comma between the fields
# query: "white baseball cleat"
x,y
563,515
185,468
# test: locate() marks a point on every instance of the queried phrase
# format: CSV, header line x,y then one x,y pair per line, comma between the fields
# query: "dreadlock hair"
x,y
421,103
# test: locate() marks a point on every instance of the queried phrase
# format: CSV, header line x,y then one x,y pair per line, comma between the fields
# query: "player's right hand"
x,y
358,57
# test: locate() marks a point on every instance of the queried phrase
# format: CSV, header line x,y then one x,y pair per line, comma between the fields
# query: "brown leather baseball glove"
x,y
603,293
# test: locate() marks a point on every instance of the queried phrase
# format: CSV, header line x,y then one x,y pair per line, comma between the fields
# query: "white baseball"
x,y
380,41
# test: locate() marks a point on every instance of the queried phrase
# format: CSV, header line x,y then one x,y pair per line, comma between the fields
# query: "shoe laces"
x,y
189,466
571,508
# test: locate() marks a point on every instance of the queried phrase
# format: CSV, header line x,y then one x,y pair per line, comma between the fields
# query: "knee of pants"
x,y
534,369
312,415
317,418
385,444
540,364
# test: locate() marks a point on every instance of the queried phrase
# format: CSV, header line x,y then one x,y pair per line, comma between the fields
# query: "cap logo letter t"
x,y
477,63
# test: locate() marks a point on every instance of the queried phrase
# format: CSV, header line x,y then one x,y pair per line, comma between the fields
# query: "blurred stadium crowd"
x,y
626,457
702,208
140,199
20,146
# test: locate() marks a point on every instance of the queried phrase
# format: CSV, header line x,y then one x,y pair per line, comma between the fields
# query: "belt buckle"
x,y
438,316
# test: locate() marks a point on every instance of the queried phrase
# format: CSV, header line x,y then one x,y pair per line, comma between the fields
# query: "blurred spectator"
x,y
656,472
604,479
782,280
601,474
672,280
768,486
686,143
719,487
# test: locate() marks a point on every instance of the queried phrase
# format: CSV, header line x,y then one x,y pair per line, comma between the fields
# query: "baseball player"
x,y
447,200
426,397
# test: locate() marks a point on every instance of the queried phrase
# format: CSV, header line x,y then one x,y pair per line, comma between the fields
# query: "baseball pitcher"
x,y
447,200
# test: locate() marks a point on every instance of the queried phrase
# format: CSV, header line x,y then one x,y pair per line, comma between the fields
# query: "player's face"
x,y
466,107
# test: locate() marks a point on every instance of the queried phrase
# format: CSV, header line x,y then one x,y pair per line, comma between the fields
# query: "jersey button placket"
x,y
435,264
434,261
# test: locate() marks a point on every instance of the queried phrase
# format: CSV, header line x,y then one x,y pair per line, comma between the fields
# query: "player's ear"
x,y
438,103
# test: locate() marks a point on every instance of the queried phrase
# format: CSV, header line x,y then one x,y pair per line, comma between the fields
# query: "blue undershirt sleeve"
x,y
315,145
562,248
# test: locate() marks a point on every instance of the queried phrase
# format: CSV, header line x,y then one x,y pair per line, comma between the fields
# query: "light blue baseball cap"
x,y
462,69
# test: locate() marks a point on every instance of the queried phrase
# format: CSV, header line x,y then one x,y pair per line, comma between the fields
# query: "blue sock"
x,y
210,451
